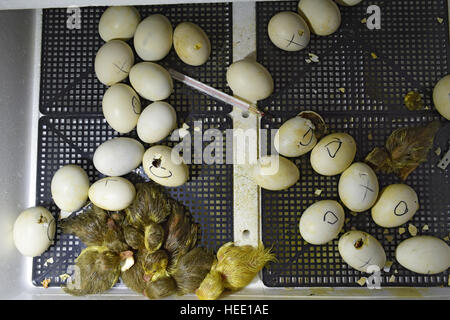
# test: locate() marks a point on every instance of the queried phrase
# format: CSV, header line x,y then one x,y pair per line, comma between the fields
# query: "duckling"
x,y
235,268
147,275
153,236
191,269
98,269
96,227
151,204
182,235
240,264
155,265
133,237
161,288
212,286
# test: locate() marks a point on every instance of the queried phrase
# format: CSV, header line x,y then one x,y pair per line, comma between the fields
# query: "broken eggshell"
x,y
299,135
361,251
165,167
321,222
34,231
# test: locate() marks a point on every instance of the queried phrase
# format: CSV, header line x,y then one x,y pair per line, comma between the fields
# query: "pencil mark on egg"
x,y
108,180
136,105
156,164
333,147
307,133
366,186
365,263
401,209
330,217
292,41
121,69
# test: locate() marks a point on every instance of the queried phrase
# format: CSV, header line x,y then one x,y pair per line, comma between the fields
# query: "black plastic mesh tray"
x,y
73,125
412,53
68,81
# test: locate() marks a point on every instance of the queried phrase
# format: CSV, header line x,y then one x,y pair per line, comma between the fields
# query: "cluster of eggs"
x,y
358,186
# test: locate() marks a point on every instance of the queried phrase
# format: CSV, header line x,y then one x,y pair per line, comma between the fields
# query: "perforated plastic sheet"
x,y
73,125
358,86
68,81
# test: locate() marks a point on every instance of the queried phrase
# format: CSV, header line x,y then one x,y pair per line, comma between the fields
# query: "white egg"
x,y
396,205
34,231
118,22
424,254
441,97
323,16
333,154
358,187
295,137
348,2
69,187
121,107
165,167
151,81
156,122
275,173
112,193
113,62
321,222
361,251
249,80
191,44
118,156
153,38
288,31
